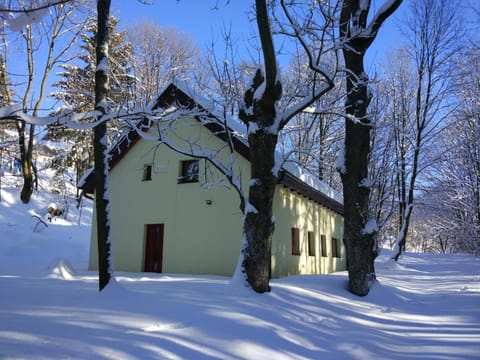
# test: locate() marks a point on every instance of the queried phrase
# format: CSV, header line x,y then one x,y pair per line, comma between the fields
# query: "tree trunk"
x,y
360,242
27,188
259,115
259,224
360,245
102,200
26,149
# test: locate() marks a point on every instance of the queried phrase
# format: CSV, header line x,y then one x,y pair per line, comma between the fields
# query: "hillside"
x,y
426,307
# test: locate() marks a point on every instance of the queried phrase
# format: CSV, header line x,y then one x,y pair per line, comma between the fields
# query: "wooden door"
x,y
154,248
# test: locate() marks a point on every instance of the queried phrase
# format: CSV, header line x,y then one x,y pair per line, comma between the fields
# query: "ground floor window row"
x,y
312,244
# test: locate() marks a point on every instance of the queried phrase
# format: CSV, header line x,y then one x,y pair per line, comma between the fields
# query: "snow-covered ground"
x,y
426,307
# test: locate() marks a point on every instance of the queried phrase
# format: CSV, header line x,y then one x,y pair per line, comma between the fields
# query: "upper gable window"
x,y
188,171
147,172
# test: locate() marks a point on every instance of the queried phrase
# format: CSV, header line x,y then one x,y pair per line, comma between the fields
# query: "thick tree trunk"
x,y
360,244
259,115
102,200
360,241
259,224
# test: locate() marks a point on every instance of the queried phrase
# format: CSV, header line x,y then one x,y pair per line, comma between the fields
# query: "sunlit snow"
x,y
425,307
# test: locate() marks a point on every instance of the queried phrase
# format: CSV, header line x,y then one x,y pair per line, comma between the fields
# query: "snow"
x,y
23,19
308,178
366,183
340,163
249,208
424,307
255,182
103,66
371,227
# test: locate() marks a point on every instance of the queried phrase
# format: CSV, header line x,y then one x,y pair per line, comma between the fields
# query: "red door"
x,y
154,248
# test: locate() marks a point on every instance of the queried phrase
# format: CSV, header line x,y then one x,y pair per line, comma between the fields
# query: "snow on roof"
x,y
83,180
311,180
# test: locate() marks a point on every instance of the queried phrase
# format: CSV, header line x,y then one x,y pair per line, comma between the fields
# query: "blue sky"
x,y
202,22
198,18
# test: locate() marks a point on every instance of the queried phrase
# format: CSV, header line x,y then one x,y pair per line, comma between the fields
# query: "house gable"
x,y
173,94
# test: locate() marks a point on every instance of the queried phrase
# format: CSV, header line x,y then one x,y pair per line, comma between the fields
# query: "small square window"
x,y
295,241
147,172
311,243
323,244
335,248
188,171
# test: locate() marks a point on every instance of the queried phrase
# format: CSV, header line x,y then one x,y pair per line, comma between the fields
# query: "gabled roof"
x,y
290,175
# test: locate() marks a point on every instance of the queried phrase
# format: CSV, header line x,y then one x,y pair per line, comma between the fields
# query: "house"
x,y
176,214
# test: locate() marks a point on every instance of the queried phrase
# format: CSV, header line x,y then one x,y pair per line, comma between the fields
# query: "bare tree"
x,y
434,34
313,137
226,74
76,91
264,120
356,35
161,55
453,194
57,23
381,167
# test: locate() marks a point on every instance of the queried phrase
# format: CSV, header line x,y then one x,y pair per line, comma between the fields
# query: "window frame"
x,y
323,245
185,177
311,243
295,241
147,172
335,248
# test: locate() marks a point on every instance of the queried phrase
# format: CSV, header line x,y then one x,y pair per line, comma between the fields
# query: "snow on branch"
x,y
65,117
370,227
41,6
27,17
305,103
382,14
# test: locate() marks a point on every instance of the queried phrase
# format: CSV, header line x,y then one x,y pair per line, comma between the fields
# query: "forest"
x,y
402,144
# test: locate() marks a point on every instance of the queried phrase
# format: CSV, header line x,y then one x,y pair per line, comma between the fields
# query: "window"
x,y
295,241
311,243
323,244
147,172
335,248
188,171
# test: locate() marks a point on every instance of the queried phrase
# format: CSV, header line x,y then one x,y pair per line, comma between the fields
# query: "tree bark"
x,y
102,201
361,246
259,115
259,224
26,163
360,243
